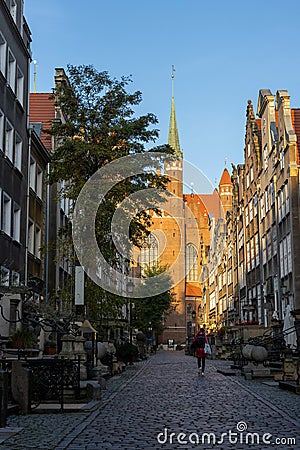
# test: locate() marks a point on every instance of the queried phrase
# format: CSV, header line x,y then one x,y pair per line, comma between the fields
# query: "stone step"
x,y
227,372
290,386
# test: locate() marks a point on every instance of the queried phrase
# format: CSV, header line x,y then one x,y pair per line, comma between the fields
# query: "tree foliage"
x,y
149,311
101,127
98,125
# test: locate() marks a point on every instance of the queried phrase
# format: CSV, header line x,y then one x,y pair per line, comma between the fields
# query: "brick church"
x,y
180,238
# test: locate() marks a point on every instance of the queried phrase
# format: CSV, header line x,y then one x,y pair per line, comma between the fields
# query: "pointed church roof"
x,y
193,290
225,179
173,139
212,203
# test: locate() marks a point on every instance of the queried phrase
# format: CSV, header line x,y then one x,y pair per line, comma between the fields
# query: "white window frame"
x,y
15,278
287,199
20,86
285,257
248,256
38,242
3,46
11,70
281,158
246,215
17,223
9,140
2,121
251,173
39,182
6,214
247,180
31,236
250,210
262,207
265,157
18,152
4,276
13,9
32,174
289,253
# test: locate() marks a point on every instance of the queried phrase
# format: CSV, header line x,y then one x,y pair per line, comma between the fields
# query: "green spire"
x,y
173,139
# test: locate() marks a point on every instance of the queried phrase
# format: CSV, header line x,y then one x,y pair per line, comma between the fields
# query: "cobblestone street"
x,y
148,407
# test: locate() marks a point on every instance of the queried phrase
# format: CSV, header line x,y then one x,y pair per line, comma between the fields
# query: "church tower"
x,y
226,191
170,224
174,170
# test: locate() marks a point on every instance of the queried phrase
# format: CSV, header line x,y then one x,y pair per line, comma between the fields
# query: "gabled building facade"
x,y
262,230
59,265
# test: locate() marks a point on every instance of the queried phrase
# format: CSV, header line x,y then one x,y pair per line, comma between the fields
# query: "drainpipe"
x,y
47,235
27,209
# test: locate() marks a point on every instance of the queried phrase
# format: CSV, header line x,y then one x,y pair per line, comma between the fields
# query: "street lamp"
x,y
130,287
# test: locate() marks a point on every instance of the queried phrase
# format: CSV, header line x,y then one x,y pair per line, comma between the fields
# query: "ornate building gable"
x,y
286,133
266,112
252,138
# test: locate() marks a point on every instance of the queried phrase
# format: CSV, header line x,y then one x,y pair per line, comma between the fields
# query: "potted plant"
x,y
23,338
50,348
126,352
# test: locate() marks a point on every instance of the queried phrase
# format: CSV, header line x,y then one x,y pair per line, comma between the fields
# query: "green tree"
x,y
100,126
149,311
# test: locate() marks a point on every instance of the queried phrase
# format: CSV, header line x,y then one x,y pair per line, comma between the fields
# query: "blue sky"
x,y
223,51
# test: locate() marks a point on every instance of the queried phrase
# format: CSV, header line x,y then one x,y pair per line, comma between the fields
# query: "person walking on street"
x,y
199,343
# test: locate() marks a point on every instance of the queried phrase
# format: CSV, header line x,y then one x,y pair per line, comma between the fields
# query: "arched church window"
x,y
149,252
191,263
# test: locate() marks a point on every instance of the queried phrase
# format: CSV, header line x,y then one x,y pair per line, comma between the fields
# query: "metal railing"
x,y
51,378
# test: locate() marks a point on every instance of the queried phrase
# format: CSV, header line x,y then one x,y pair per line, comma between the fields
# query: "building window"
x,y
39,182
31,237
248,149
289,253
18,152
265,157
32,174
6,218
251,173
281,158
256,250
248,256
4,276
247,215
287,199
191,263
1,130
17,223
9,140
20,86
247,180
15,278
149,252
2,54
250,210
11,71
13,9
38,242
